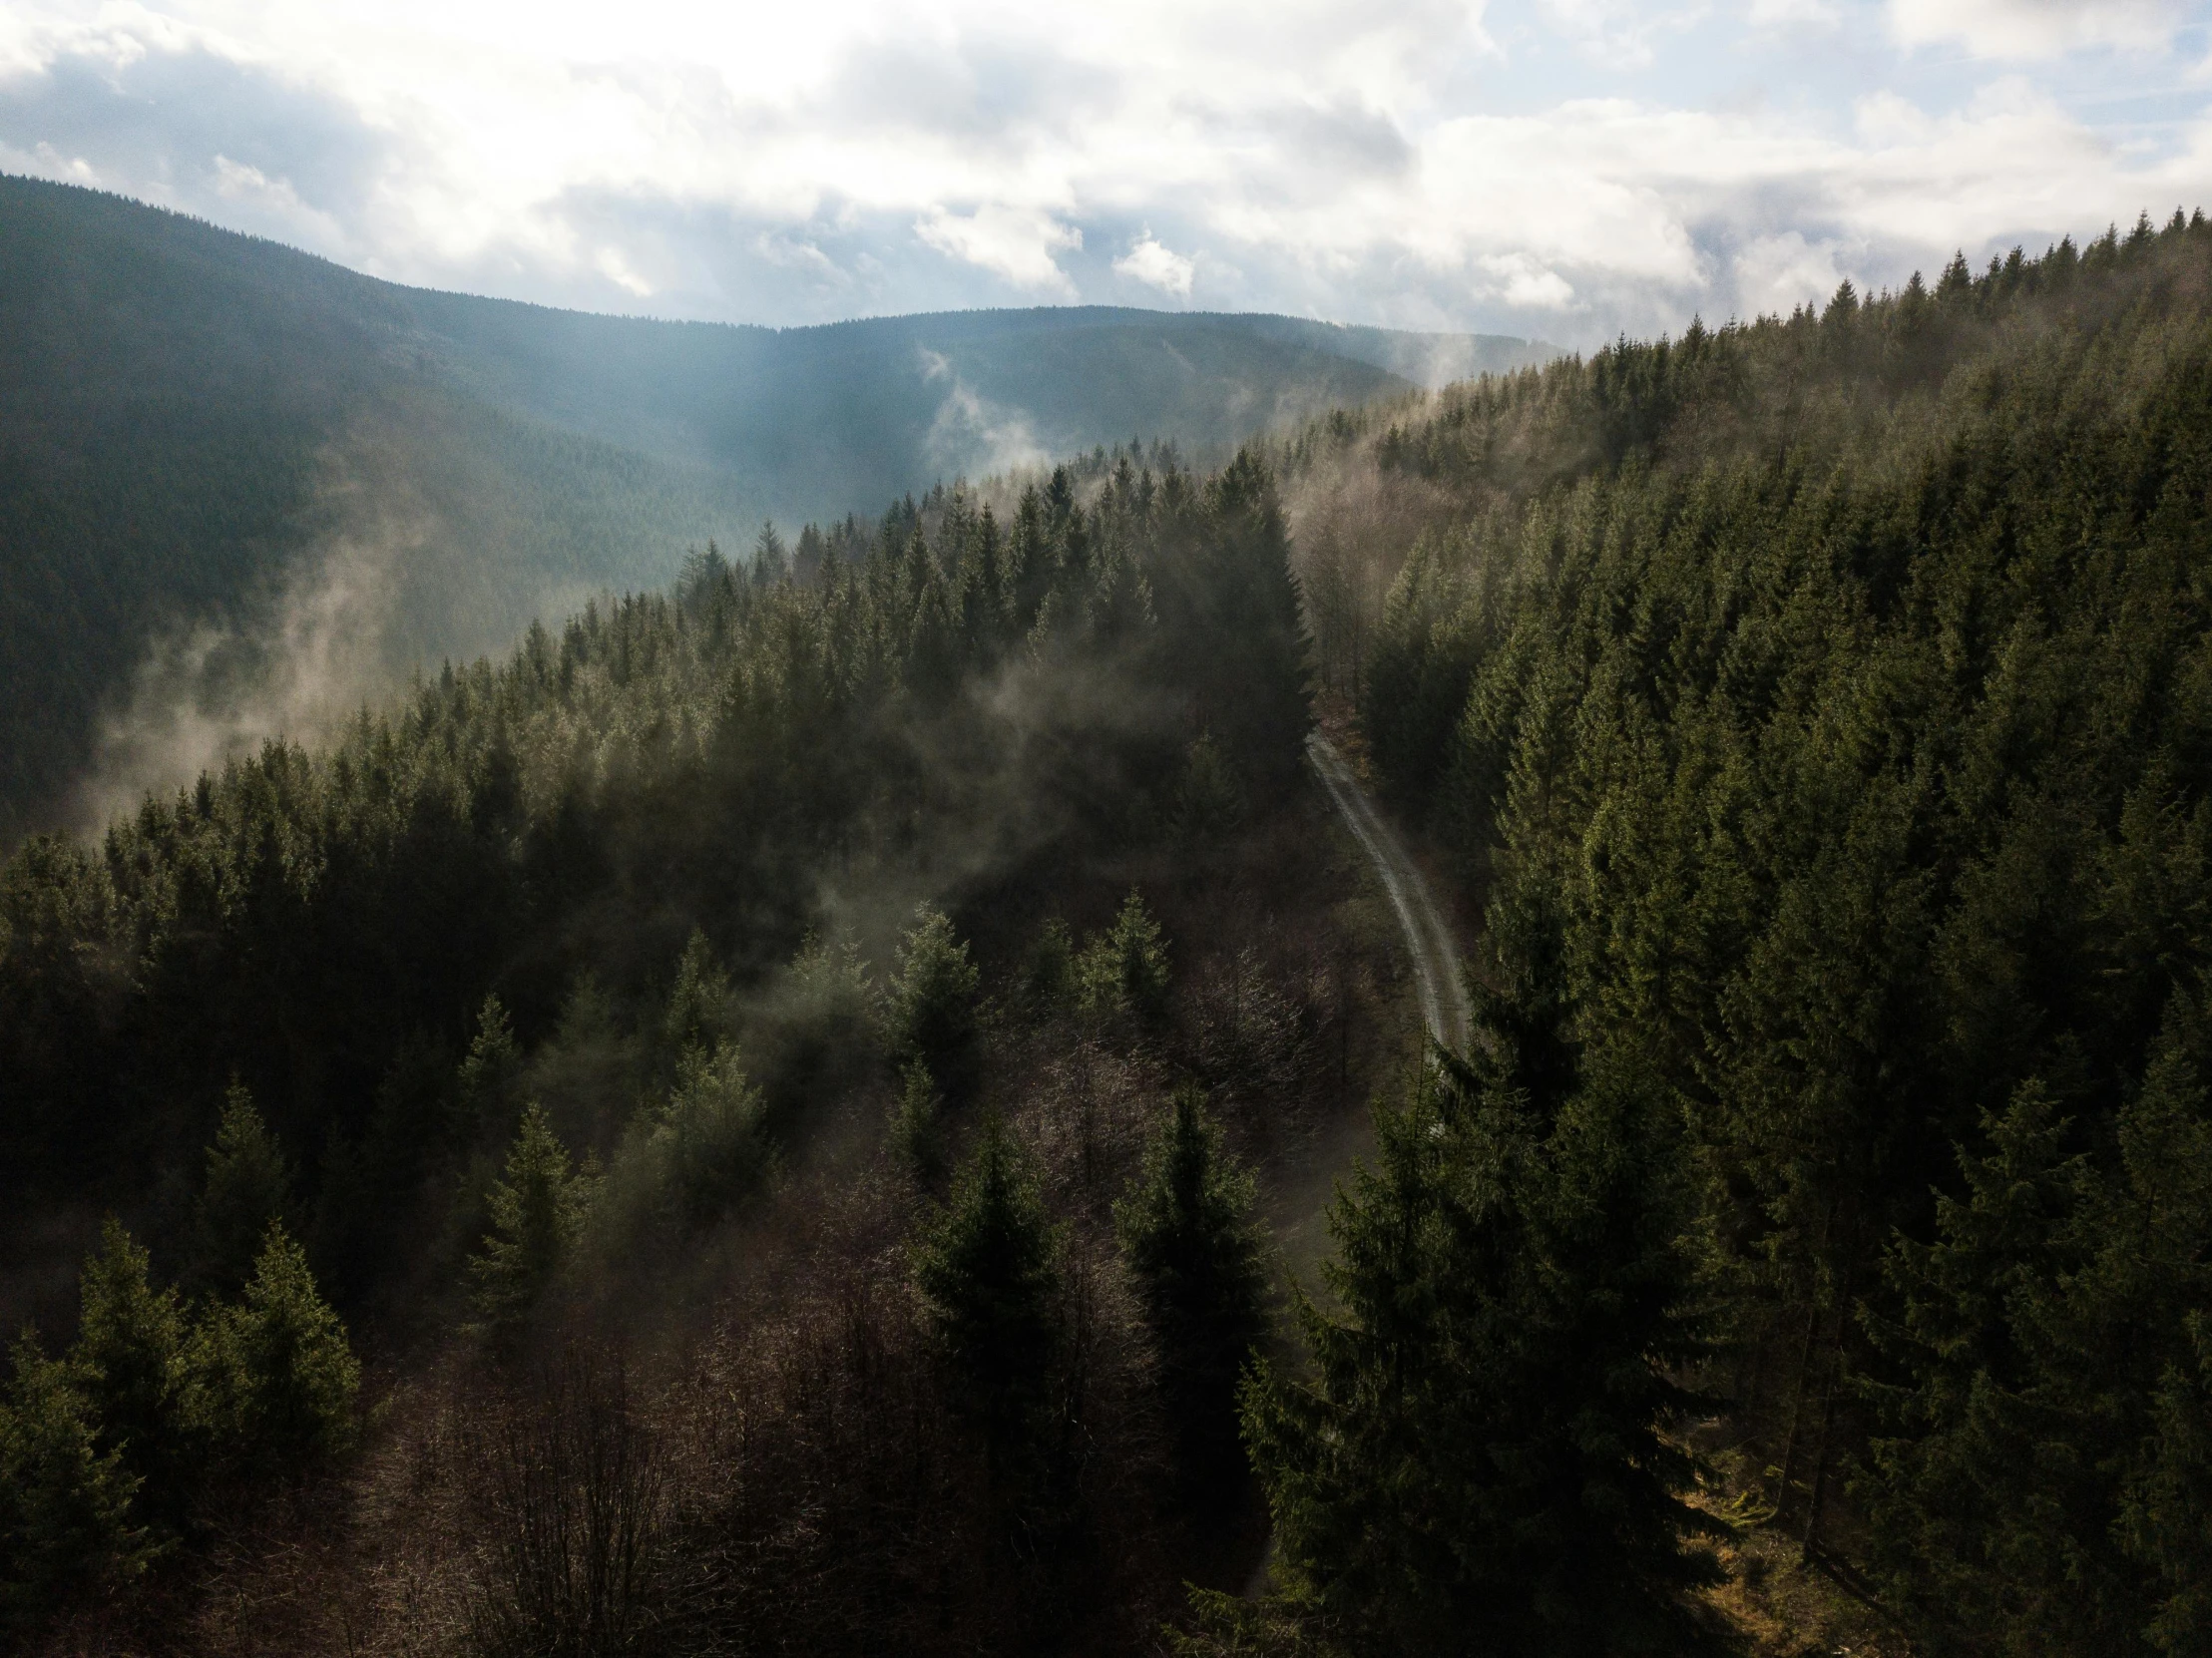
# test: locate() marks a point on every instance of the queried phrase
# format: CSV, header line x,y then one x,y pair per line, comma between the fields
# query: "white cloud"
x,y
1529,168
1823,15
1776,274
1522,282
1152,261
970,436
2028,29
1622,33
1012,243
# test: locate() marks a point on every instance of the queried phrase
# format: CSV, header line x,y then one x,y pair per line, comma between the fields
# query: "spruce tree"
x,y
1193,1255
247,1186
699,1006
131,1366
988,1276
1478,1462
1126,967
279,1372
537,1214
917,1131
65,1502
488,1071
708,1133
931,1010
1049,969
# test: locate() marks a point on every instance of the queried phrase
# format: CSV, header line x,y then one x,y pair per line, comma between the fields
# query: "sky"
x,y
1564,169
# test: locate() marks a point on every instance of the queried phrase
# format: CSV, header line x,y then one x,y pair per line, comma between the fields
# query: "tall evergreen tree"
x,y
699,1003
988,1276
931,1010
132,1365
248,1185
1126,967
279,1374
65,1527
708,1134
1193,1254
537,1214
1478,1462
489,1068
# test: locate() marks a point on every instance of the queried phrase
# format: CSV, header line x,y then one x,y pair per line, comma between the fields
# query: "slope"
x,y
192,421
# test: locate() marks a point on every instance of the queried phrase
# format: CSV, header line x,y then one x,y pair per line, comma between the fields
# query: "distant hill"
x,y
188,415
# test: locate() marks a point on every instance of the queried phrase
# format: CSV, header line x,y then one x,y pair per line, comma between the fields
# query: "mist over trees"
x,y
219,457
785,1115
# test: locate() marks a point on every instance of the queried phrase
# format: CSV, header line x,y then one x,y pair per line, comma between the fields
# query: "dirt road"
x,y
1436,959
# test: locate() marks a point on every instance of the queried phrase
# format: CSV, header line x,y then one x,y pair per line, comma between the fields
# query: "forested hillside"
x,y
779,981
1820,710
193,423
782,1114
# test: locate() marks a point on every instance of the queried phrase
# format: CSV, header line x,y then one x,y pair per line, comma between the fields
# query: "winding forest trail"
x,y
1436,959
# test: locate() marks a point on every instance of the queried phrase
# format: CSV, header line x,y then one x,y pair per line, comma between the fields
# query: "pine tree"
x,y
931,1011
1194,1256
65,1530
1048,972
698,1005
708,1133
279,1372
1477,1463
987,1271
248,1185
1209,801
131,1366
489,1070
1126,967
537,1213
917,1131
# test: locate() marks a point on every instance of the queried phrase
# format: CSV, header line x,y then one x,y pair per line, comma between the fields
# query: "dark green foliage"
x,y
65,1531
687,755
1193,1254
278,1373
917,1131
989,1274
1126,967
1825,706
698,1005
135,1368
488,1072
248,1185
930,1013
2045,1486
1209,800
537,1211
707,1140
1478,1464
1232,630
1048,972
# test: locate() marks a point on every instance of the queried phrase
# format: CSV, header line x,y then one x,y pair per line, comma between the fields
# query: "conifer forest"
x,y
871,1100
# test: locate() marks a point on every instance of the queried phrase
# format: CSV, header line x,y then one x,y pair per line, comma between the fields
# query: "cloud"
x,y
2030,29
1565,168
1015,244
1824,16
1620,33
1776,274
1524,283
970,436
1153,263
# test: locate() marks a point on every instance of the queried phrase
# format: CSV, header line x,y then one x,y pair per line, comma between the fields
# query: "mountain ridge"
x,y
191,417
